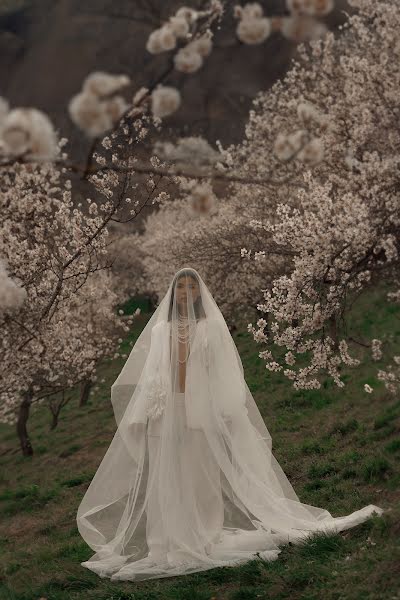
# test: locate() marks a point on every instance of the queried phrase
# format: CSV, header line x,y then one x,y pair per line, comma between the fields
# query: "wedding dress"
x,y
189,481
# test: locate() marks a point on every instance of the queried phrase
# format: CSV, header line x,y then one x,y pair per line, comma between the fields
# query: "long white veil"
x,y
189,481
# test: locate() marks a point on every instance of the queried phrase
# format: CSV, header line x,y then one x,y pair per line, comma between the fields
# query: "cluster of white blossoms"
x,y
190,58
301,28
98,107
192,150
297,145
66,320
313,8
376,348
253,26
165,100
178,27
12,295
302,24
300,144
26,132
391,376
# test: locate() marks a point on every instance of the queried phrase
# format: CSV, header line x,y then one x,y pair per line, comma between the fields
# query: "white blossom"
x,y
188,60
313,152
203,44
12,295
165,100
187,13
101,84
95,109
302,28
90,114
28,131
314,8
193,150
179,26
376,346
253,27
252,10
310,115
287,146
253,30
161,40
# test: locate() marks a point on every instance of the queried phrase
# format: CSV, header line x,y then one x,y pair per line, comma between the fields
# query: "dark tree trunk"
x,y
22,430
54,420
85,391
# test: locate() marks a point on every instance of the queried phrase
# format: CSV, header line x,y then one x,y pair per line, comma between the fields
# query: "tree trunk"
x,y
85,391
54,420
22,431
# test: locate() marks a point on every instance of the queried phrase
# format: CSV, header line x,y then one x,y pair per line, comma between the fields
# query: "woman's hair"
x,y
197,304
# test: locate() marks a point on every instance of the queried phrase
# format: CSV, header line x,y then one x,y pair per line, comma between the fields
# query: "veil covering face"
x,y
189,481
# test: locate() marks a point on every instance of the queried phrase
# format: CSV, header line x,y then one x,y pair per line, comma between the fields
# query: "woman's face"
x,y
186,287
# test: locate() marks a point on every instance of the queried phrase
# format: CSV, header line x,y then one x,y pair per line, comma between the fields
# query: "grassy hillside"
x,y
339,448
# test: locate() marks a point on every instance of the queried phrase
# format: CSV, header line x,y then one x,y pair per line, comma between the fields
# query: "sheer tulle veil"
x,y
189,481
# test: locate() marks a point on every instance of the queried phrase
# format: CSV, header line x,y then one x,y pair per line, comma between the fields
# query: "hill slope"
x,y
339,448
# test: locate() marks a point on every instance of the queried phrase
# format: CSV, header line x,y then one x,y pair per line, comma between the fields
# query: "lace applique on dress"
x,y
156,398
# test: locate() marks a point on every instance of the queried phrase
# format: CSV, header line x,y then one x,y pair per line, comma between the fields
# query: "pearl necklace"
x,y
183,333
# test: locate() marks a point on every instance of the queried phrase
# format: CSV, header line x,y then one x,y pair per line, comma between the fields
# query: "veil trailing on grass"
x,y
189,481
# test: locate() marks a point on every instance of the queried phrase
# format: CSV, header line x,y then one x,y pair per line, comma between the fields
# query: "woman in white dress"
x,y
189,481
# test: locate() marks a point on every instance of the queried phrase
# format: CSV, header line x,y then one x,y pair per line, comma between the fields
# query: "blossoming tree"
x,y
55,295
332,127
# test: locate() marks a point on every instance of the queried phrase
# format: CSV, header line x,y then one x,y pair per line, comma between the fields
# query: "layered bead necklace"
x,y
186,325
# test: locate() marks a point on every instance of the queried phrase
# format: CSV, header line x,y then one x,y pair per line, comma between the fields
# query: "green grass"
x,y
340,449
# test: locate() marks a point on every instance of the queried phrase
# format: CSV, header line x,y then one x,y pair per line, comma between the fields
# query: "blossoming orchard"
x,y
290,227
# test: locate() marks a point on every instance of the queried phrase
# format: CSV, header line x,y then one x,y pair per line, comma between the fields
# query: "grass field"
x,y
340,449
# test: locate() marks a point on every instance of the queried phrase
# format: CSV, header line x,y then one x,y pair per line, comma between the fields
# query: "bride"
x,y
189,482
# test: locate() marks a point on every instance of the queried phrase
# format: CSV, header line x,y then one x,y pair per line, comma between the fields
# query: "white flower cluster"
x,y
26,132
345,356
309,114
391,376
297,145
97,107
376,347
253,26
301,28
190,58
302,24
178,27
12,295
312,8
165,100
300,145
193,150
